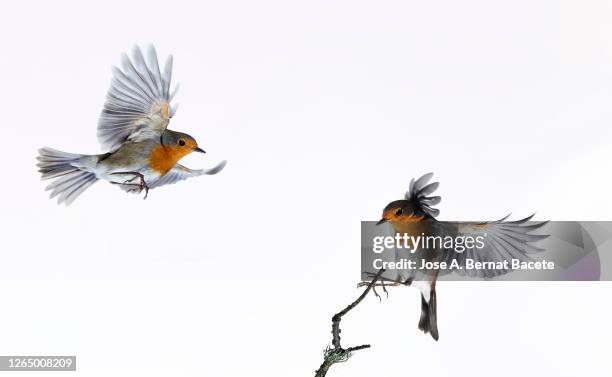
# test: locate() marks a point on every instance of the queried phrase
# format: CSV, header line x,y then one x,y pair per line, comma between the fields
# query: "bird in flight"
x,y
415,216
133,127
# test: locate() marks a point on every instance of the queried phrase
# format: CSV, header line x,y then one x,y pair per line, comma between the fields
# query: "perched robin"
x,y
143,153
499,240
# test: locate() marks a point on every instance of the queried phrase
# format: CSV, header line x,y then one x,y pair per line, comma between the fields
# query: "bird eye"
x,y
181,142
398,212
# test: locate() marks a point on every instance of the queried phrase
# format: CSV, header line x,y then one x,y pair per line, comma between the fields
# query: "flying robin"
x,y
143,152
415,216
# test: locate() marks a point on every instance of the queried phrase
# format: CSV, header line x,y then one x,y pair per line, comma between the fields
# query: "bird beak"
x,y
381,221
198,149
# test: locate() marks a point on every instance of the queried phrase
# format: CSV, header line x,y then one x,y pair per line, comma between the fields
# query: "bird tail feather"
x,y
69,181
424,321
433,315
429,318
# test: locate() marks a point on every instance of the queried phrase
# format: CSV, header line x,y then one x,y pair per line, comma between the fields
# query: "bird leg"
x,y
141,186
381,283
382,279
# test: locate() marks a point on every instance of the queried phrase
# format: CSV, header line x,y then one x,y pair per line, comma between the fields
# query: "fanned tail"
x,y
69,180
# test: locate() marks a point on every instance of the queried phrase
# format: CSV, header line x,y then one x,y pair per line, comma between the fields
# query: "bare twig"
x,y
335,353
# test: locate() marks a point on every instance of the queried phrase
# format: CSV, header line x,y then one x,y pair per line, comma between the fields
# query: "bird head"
x,y
401,211
180,143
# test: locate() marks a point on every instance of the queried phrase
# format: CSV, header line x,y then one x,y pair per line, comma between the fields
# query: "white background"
x,y
325,110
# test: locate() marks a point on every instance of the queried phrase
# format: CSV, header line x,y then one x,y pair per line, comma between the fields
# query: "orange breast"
x,y
162,158
412,225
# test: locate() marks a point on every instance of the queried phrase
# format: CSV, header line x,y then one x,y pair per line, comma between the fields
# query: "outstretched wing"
x,y
418,191
138,102
179,173
503,240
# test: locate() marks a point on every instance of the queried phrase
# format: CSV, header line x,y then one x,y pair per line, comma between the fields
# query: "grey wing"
x,y
418,191
180,172
138,101
502,240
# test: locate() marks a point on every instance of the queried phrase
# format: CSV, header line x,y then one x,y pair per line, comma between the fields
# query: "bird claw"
x,y
379,284
382,282
136,187
383,279
376,292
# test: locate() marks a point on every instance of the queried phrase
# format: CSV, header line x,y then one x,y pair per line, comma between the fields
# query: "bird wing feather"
x,y
180,172
137,103
503,240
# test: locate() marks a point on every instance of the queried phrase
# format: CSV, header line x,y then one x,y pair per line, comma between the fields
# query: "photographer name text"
x,y
470,264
